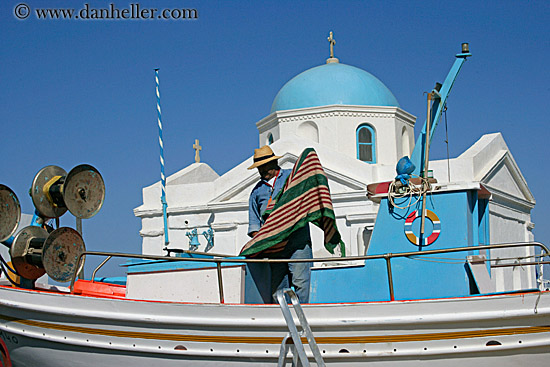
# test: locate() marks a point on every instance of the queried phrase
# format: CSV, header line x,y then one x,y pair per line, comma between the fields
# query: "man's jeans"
x,y
296,274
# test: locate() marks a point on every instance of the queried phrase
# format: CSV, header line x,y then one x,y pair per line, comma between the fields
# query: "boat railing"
x,y
218,259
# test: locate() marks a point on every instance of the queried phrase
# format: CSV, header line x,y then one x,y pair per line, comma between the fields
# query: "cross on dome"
x,y
332,42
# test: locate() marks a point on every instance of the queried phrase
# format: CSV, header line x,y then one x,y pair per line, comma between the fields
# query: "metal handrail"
x,y
100,266
387,257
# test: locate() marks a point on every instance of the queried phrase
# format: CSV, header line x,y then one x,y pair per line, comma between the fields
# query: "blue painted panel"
x,y
430,277
350,284
435,276
473,226
454,214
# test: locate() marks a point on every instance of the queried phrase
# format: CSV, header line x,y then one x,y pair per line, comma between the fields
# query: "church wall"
x,y
190,194
508,225
151,246
230,231
336,127
269,126
308,130
230,224
388,141
387,138
287,129
225,240
340,133
361,225
405,139
383,173
151,226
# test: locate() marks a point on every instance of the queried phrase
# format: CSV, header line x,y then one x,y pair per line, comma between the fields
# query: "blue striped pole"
x,y
162,177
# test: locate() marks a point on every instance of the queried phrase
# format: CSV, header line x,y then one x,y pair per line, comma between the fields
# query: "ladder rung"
x,y
299,350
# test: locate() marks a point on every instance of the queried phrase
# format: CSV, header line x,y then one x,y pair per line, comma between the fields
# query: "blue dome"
x,y
331,84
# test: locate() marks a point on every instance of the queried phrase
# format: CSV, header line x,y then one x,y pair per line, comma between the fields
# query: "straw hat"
x,y
262,156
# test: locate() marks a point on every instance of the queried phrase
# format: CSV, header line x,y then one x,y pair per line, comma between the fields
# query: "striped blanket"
x,y
304,198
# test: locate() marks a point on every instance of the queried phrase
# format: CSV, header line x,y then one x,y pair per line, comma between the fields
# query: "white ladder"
x,y
299,352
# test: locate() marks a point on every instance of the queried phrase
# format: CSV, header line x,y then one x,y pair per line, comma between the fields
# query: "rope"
x,y
447,260
518,257
6,265
441,261
447,142
3,266
410,191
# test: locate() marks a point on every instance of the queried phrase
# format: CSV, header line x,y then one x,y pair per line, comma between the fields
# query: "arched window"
x,y
269,139
366,139
309,131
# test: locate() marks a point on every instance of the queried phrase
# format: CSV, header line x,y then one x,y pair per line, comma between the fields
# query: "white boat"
x,y
431,307
52,329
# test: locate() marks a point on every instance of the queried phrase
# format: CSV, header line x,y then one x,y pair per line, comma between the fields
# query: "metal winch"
x,y
39,249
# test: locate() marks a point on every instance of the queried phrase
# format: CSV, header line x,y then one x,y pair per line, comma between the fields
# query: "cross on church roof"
x,y
332,42
197,148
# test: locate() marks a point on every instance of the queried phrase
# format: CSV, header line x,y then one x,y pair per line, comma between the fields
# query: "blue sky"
x,y
82,91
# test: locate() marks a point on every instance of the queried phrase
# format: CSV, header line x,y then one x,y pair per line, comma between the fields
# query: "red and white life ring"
x,y
5,360
427,240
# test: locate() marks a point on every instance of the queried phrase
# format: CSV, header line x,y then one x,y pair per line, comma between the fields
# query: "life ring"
x,y
435,232
5,360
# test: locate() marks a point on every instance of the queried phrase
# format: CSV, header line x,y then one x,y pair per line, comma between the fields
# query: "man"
x,y
299,243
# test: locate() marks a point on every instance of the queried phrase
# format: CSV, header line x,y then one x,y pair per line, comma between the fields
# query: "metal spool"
x,y
47,192
10,213
60,253
26,252
84,191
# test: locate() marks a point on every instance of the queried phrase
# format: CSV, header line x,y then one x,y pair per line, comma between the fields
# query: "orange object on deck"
x,y
99,289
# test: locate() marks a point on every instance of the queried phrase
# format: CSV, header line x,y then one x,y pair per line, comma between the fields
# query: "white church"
x,y
359,131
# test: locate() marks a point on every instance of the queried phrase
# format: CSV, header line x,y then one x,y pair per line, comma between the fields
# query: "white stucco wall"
x,y
337,125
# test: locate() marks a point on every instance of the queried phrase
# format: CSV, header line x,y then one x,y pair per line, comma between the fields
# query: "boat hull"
x,y
55,329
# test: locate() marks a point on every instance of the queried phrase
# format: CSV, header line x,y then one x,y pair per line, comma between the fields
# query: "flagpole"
x,y
162,176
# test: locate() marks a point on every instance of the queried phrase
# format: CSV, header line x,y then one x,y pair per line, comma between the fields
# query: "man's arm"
x,y
254,219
